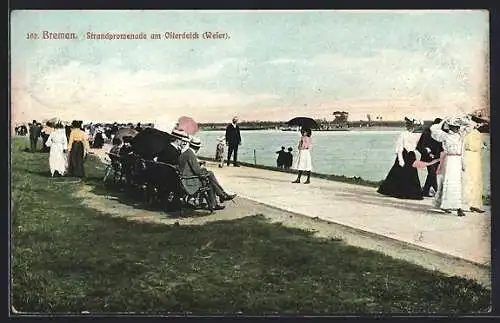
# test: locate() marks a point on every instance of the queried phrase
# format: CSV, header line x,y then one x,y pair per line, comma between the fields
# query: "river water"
x,y
366,154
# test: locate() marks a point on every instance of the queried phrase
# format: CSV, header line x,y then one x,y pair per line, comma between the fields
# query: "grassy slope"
x,y
67,258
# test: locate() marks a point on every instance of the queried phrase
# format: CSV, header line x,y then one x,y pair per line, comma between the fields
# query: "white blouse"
x,y
452,141
407,140
57,138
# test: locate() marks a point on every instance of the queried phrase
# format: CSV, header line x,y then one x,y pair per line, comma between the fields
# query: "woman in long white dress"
x,y
58,143
303,161
450,195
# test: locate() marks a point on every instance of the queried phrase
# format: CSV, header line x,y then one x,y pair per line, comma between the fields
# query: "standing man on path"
x,y
35,131
233,140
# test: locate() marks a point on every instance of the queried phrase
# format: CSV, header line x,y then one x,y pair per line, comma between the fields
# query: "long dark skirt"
x,y
402,182
75,167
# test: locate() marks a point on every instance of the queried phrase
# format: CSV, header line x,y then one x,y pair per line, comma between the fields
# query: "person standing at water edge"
x,y
402,181
450,194
35,131
280,161
233,141
288,158
78,147
472,173
57,143
430,150
303,161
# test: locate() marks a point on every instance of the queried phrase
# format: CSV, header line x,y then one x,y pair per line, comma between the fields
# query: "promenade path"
x,y
423,235
360,207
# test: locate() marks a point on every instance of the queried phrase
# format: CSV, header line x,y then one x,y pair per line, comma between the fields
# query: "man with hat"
x,y
190,166
233,141
170,154
35,131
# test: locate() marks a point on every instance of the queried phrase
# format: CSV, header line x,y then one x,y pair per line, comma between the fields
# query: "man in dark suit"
x,y
430,149
35,131
233,140
170,154
190,166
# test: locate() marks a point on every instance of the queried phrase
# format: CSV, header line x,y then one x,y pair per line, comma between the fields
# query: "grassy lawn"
x,y
68,258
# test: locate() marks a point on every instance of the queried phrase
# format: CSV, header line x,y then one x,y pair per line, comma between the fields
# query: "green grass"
x,y
68,258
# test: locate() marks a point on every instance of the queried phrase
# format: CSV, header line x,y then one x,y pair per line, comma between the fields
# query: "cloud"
x,y
84,91
431,77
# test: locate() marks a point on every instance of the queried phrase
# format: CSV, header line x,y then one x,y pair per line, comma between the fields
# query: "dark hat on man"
x,y
290,148
76,124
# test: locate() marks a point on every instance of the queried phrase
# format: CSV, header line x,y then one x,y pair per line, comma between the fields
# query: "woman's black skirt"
x,y
75,167
402,182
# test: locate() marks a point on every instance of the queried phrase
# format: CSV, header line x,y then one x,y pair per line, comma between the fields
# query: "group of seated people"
x,y
181,152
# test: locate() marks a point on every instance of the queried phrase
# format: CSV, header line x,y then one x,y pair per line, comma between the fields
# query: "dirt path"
x,y
109,205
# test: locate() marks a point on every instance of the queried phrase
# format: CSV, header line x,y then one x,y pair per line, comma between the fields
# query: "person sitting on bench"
x,y
190,166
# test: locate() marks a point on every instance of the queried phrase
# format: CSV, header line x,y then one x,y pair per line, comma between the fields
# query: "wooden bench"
x,y
161,182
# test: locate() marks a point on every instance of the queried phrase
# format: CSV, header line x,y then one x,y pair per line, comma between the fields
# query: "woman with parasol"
x,y
303,161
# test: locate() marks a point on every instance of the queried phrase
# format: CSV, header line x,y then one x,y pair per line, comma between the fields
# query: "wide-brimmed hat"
x,y
180,134
454,122
195,142
413,121
221,138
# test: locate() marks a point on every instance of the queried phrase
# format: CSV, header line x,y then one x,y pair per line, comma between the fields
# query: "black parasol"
x,y
303,122
150,142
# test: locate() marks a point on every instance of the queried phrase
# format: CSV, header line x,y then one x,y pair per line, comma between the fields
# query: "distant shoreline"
x,y
375,128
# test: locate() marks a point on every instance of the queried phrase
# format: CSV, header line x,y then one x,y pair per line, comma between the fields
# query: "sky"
x,y
275,65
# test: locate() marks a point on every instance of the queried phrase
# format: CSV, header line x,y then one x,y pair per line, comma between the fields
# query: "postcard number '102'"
x,y
31,36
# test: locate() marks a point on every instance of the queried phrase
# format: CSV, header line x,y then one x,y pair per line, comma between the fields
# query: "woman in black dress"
x,y
78,147
402,181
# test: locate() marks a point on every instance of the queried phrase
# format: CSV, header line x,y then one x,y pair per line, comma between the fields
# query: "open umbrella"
x,y
303,122
149,142
188,125
125,132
